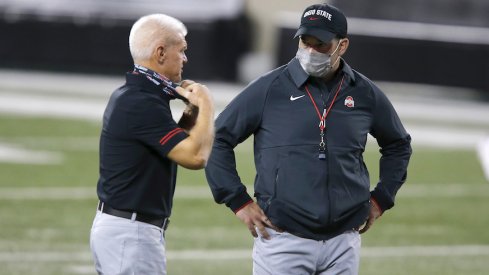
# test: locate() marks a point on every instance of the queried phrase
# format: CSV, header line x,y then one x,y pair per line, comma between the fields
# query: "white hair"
x,y
151,30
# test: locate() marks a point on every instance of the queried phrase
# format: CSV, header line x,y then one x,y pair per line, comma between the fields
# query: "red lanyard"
x,y
322,119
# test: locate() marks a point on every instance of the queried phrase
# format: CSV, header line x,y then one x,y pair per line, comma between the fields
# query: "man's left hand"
x,y
374,214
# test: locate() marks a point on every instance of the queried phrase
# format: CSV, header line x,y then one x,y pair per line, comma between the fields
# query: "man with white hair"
x,y
140,147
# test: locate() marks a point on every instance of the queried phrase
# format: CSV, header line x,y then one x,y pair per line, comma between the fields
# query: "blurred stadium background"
x,y
60,60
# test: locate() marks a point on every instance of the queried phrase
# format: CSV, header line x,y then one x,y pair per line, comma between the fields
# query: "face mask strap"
x,y
337,47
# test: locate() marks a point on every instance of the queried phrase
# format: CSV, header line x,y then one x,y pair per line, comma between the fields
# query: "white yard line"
x,y
369,252
443,190
81,269
244,254
425,251
435,113
13,153
49,106
446,190
83,193
54,142
475,115
47,193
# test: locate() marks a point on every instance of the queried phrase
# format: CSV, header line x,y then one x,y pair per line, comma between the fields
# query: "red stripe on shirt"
x,y
171,134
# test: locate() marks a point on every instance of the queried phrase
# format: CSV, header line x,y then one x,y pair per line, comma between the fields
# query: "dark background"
x,y
62,42
413,60
63,45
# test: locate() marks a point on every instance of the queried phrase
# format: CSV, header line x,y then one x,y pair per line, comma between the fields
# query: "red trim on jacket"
x,y
374,201
243,206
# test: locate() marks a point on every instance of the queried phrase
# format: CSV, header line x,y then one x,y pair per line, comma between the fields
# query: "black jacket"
x,y
300,193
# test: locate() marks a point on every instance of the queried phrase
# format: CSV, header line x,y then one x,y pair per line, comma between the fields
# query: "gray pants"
x,y
123,246
285,253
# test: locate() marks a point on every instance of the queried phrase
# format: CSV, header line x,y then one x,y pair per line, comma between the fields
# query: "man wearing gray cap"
x,y
310,119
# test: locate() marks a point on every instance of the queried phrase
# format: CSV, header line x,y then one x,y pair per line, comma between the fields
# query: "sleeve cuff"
x,y
170,141
383,201
239,202
374,201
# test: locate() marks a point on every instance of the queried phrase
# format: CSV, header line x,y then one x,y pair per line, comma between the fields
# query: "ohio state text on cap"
x,y
323,22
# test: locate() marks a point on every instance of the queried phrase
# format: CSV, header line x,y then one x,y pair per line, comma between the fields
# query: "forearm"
x,y
240,119
202,132
223,179
393,172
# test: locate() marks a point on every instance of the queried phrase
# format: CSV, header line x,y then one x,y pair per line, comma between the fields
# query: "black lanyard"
x,y
159,80
322,118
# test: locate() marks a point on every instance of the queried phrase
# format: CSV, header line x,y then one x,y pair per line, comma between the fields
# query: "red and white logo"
x,y
349,102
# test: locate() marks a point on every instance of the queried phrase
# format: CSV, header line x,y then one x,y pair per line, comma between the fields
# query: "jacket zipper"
x,y
328,189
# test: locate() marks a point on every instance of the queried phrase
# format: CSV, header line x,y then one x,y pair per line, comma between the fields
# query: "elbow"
x,y
196,163
191,155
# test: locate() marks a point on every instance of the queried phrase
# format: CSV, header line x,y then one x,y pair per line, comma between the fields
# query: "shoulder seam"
x,y
278,73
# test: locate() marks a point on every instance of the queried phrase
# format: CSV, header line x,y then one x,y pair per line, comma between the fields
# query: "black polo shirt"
x,y
137,134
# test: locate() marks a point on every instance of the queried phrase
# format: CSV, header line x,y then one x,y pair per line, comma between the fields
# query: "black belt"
x,y
160,222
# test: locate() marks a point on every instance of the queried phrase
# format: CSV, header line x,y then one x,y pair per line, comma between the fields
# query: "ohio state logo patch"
x,y
349,102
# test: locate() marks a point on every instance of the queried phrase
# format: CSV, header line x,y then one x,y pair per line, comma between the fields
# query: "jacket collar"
x,y
137,79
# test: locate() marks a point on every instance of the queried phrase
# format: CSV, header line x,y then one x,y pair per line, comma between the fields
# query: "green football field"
x,y
438,226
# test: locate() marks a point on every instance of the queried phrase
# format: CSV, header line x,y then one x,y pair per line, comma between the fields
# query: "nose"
x,y
311,49
185,59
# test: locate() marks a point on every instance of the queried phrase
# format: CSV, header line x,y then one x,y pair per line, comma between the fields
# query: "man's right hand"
x,y
194,151
255,219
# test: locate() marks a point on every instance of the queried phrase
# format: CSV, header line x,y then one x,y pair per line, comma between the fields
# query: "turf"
x,y
443,203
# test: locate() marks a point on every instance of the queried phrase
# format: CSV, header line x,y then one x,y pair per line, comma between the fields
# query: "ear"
x,y
344,46
160,54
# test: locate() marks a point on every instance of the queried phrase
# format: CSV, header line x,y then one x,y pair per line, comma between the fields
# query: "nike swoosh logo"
x,y
292,98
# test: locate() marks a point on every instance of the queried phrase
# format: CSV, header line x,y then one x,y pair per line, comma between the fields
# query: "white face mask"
x,y
314,63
